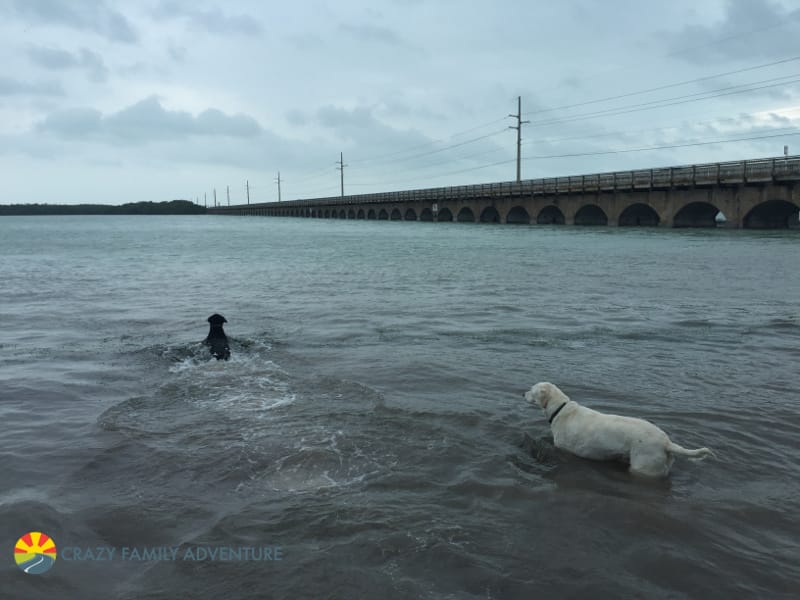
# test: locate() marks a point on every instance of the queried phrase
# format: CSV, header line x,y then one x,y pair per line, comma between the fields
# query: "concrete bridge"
x,y
755,194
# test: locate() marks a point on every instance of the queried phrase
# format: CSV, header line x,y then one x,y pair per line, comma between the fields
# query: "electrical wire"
x,y
663,87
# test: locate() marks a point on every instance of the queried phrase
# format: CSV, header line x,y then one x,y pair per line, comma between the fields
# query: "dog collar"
x,y
558,410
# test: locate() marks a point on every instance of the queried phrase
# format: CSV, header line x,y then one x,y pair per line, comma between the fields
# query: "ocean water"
x,y
370,425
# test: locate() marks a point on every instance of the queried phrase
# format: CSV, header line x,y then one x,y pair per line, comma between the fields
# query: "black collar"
x,y
558,410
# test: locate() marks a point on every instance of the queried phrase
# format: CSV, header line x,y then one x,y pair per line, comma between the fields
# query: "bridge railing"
x,y
725,173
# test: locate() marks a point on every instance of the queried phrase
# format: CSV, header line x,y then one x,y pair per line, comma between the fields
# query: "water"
x,y
371,421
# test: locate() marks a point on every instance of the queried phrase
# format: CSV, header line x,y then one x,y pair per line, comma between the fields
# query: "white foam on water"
x,y
248,382
320,459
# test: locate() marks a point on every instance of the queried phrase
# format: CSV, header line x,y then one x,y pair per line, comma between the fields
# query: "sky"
x,y
106,101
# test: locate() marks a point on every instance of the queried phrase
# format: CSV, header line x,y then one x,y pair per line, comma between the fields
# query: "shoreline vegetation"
x,y
172,207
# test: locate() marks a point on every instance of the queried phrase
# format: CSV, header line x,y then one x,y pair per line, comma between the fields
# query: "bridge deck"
x,y
782,169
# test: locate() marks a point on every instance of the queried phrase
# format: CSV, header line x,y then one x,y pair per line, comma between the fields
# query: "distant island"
x,y
173,207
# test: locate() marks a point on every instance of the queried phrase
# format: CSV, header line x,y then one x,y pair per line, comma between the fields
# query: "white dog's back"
x,y
592,434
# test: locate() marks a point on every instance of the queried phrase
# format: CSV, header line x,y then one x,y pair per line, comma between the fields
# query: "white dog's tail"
x,y
699,453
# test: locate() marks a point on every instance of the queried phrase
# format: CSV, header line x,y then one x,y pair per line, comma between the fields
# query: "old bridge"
x,y
756,194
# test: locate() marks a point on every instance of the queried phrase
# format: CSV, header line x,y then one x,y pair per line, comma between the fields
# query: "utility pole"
x,y
228,189
215,196
341,168
278,180
247,185
518,127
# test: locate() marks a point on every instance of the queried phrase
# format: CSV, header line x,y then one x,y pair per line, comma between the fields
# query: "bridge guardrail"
x,y
725,173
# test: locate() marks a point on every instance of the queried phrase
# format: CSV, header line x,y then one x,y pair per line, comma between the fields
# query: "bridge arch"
x,y
465,215
444,215
518,216
410,215
360,214
490,215
696,214
396,216
550,215
342,214
639,215
773,214
591,214
371,213
426,215
383,215
327,213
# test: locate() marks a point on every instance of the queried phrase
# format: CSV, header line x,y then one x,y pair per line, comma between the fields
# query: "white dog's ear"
x,y
543,399
541,395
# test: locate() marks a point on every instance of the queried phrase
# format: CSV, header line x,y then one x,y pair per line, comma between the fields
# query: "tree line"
x,y
172,207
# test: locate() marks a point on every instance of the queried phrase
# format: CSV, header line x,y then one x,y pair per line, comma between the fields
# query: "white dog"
x,y
592,434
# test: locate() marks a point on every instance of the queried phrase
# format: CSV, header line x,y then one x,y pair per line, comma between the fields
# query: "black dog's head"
x,y
217,320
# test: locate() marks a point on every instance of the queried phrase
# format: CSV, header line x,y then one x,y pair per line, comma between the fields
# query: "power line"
x,y
683,123
433,165
426,144
790,132
664,87
684,99
791,16
796,131
605,112
720,92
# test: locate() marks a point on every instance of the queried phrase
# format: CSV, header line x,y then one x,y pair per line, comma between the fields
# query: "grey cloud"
x,y
346,121
306,41
372,33
73,122
397,108
86,15
359,125
296,117
215,122
750,29
147,121
51,58
177,53
212,20
14,87
57,60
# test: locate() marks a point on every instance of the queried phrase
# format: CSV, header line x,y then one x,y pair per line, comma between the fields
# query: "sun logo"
x,y
35,552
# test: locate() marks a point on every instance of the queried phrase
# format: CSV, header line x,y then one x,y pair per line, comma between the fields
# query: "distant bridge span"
x,y
754,194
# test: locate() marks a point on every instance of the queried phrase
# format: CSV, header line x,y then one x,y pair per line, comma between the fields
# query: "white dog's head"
x,y
543,393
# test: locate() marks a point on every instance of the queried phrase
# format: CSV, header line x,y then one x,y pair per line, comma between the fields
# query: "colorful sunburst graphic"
x,y
35,552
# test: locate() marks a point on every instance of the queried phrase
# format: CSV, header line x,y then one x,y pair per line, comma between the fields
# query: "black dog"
x,y
217,340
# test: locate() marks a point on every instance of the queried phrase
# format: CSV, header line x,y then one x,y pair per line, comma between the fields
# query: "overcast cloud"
x,y
104,101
